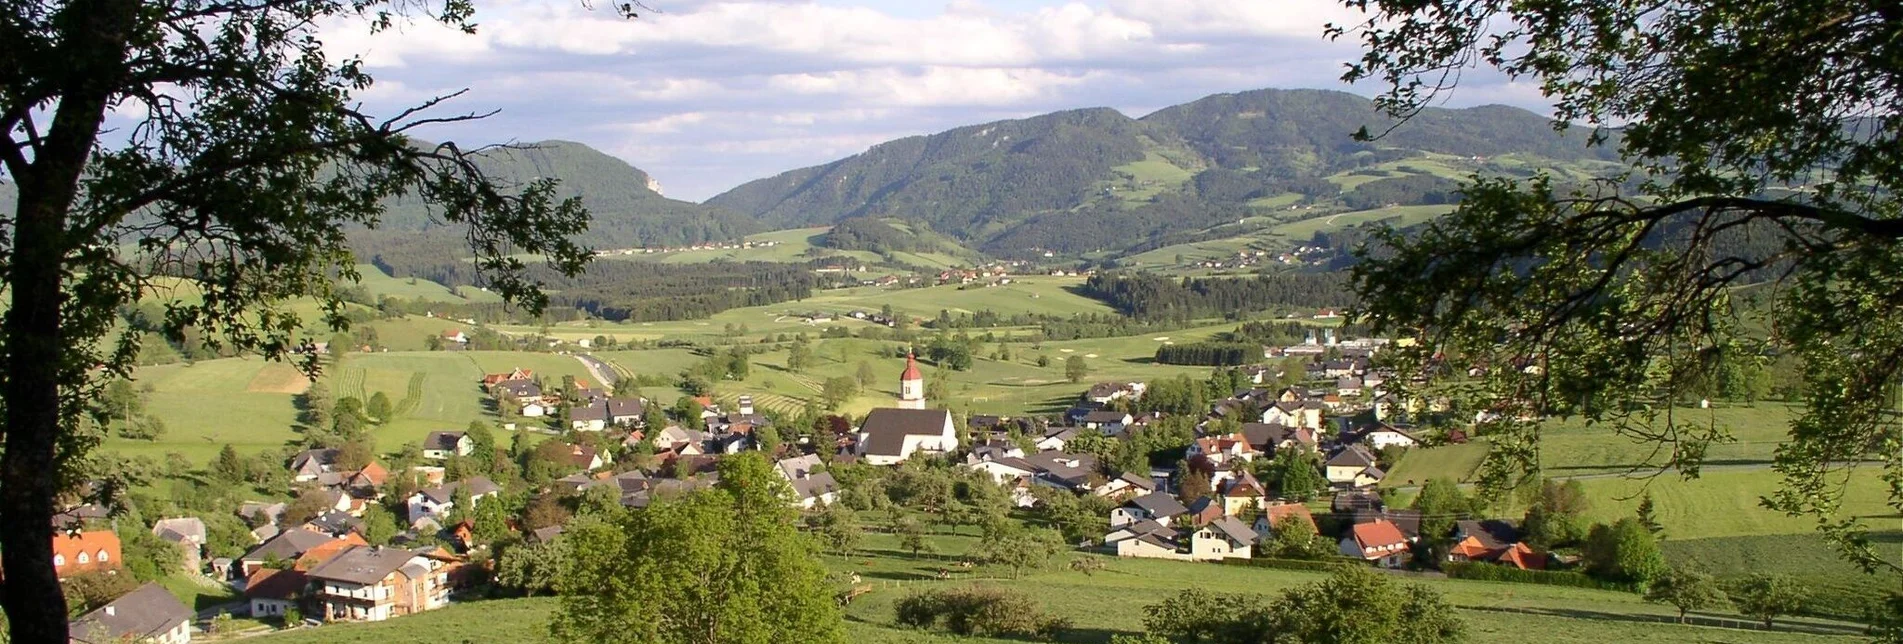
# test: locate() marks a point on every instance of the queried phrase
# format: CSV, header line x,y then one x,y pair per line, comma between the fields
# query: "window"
x,y
59,560
83,560
103,557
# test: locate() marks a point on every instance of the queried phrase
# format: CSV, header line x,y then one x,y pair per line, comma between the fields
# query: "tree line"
x,y
1149,296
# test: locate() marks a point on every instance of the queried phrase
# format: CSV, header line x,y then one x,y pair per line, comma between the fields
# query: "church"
x,y
892,434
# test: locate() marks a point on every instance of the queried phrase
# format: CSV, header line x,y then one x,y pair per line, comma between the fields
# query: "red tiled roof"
x,y
1275,513
269,583
911,368
68,549
1378,534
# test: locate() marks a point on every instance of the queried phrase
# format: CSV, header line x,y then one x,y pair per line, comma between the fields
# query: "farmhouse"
x,y
87,551
1353,466
374,583
1223,538
1378,542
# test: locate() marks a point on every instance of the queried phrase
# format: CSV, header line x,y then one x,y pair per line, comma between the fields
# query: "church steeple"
x,y
911,384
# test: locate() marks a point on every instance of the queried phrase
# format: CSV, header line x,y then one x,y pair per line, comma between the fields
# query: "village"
x,y
1262,465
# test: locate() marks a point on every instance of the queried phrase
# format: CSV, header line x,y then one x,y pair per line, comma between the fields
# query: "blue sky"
x,y
708,94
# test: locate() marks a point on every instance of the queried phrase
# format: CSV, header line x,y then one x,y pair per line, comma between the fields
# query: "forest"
x,y
1150,296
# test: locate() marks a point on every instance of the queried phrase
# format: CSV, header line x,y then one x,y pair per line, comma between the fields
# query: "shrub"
x,y
1315,565
977,610
1480,571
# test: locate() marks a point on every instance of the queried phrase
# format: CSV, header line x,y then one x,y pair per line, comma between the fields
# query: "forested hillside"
x,y
626,211
1096,180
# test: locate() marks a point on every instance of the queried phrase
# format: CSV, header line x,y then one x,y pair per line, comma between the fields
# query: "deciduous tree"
x,y
1686,590
1768,596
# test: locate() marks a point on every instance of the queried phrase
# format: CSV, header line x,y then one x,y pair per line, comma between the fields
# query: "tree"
x,y
379,407
1356,605
1625,289
837,390
687,410
1648,515
719,565
913,537
1018,547
308,504
1768,596
530,568
1195,480
654,417
354,455
1301,476
1197,616
229,467
835,526
1557,517
1440,503
867,377
1686,590
1075,369
1295,538
378,525
799,356
1623,552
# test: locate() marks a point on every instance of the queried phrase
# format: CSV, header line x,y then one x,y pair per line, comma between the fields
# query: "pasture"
x,y
1110,602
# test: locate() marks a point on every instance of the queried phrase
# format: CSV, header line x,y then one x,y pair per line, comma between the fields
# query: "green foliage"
x,y
1768,596
1686,590
719,565
308,504
1482,571
1441,503
531,568
379,525
1018,547
379,407
1624,552
1197,616
1295,538
1557,517
1075,369
228,467
836,527
979,610
1356,605
148,557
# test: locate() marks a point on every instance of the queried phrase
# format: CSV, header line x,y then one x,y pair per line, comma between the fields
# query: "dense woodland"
x,y
869,233
1150,296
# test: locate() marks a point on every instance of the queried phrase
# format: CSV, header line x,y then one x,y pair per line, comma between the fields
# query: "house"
x,y
455,336
1300,413
1267,438
148,614
437,501
188,535
626,411
588,417
889,436
259,513
1348,386
1004,468
586,458
83,552
288,546
1383,436
1242,492
1155,506
1379,542
271,592
522,390
1353,466
1202,511
1106,421
514,375
1274,513
1056,437
1148,538
374,583
1223,449
442,445
363,484
1125,484
1493,541
1104,392
308,465
810,488
1223,538
334,523
1065,471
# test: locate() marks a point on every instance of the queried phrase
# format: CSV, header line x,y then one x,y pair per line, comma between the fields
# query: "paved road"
x,y
603,373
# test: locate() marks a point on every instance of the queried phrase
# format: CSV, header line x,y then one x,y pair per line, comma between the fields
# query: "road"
x,y
604,374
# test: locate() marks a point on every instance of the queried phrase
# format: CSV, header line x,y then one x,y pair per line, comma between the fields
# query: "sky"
x,y
706,95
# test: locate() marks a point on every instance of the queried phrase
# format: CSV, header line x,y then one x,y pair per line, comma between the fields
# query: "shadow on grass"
x,y
1693,619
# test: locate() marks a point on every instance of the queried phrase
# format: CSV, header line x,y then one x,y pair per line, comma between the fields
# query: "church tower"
x,y
911,385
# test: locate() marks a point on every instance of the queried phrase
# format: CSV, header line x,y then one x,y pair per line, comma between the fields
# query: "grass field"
x,y
381,284
211,403
1108,603
1836,587
1572,447
1456,462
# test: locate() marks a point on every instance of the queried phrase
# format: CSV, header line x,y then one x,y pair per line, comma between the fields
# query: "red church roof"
x,y
911,369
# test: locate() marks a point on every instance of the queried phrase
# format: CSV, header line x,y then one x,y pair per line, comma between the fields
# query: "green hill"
x,y
1095,180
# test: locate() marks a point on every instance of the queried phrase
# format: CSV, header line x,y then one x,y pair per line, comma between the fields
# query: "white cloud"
x,y
710,93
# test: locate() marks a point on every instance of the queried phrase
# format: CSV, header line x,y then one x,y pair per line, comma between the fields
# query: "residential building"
x,y
83,552
148,614
442,445
437,501
1155,506
1378,542
1224,538
271,592
1353,466
188,535
374,583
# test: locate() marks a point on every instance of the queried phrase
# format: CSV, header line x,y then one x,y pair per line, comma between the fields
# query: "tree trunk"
x,y
36,609
94,48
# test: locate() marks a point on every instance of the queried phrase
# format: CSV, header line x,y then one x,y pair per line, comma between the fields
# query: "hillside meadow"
x,y
1110,602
